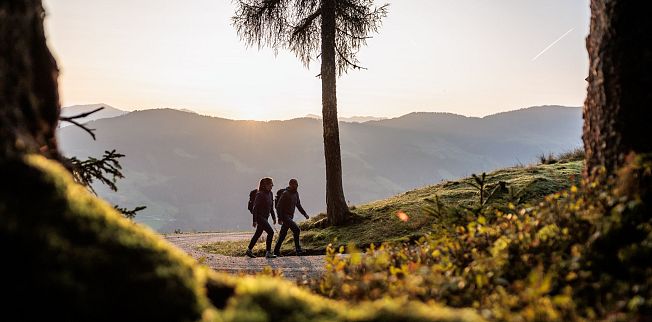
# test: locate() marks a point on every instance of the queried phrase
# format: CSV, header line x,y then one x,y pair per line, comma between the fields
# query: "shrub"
x,y
547,159
576,154
581,254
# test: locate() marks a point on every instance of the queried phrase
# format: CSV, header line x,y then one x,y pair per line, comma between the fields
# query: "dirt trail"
x,y
293,267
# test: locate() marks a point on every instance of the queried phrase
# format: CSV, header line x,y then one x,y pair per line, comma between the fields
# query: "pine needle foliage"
x,y
106,170
129,213
295,25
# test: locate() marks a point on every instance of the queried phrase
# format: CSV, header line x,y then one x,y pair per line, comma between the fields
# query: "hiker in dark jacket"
x,y
263,207
287,203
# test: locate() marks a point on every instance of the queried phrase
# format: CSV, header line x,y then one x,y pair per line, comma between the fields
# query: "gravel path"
x,y
293,267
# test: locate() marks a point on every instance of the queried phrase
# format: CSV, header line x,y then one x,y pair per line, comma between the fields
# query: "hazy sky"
x,y
471,57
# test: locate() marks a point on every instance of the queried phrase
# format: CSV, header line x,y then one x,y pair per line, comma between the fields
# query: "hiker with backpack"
x,y
261,207
286,201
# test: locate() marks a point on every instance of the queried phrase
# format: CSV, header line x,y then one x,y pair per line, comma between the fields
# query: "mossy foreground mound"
x,y
70,256
268,299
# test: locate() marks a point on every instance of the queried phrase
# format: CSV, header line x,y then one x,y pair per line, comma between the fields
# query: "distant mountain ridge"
x,y
194,171
352,119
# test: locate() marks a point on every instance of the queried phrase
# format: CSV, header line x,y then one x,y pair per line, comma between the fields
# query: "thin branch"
x,y
82,115
354,66
353,36
306,23
71,119
83,127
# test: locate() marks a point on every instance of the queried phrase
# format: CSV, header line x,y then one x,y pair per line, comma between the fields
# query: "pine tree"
x,y
333,30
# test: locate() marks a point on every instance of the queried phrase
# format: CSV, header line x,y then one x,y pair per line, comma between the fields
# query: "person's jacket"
x,y
263,205
287,203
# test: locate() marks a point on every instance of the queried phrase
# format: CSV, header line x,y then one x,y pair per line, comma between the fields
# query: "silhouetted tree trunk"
x,y
333,30
29,100
336,207
618,107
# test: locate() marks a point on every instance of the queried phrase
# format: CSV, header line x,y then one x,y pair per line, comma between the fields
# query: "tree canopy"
x,y
295,25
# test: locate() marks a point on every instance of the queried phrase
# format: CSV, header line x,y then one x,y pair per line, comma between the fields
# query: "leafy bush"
x,y
581,254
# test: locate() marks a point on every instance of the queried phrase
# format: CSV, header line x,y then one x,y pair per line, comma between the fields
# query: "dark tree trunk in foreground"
x,y
618,107
336,207
29,100
64,251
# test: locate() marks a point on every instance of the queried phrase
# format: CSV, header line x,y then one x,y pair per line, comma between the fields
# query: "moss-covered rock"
x,y
271,299
68,255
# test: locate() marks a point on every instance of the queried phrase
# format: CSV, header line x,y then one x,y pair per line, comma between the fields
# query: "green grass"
x,y
379,223
238,248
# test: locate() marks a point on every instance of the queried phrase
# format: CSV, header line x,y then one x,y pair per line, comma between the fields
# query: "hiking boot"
x,y
270,255
301,252
250,253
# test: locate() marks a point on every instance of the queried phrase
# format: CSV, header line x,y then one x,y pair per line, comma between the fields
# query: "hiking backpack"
x,y
279,193
252,197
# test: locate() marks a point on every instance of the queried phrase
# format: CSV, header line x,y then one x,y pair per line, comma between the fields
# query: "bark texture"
x,y
618,107
336,208
29,100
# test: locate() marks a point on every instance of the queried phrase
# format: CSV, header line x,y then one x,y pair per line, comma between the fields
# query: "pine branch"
x,y
348,62
129,213
291,25
306,23
106,170
340,30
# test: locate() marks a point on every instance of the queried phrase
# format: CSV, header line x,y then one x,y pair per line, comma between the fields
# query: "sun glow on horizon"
x,y
471,58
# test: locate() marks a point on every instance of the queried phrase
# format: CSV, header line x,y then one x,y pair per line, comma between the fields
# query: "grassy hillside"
x,y
378,221
581,254
194,172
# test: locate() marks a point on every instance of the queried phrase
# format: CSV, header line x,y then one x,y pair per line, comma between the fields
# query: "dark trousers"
x,y
262,225
291,225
